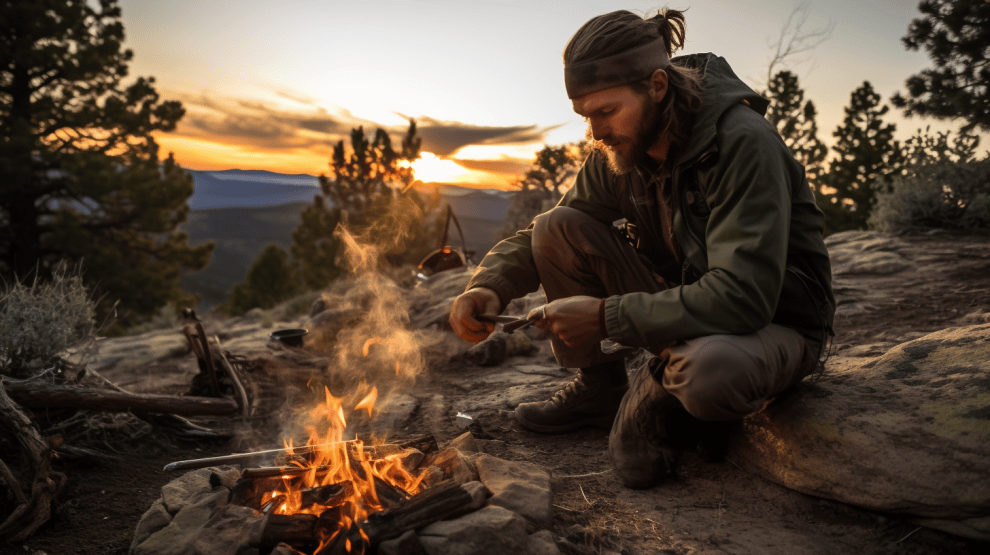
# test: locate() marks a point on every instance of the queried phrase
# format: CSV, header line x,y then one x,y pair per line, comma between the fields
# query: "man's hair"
x,y
619,31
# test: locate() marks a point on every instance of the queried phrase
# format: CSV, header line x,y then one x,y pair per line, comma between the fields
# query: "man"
x,y
720,271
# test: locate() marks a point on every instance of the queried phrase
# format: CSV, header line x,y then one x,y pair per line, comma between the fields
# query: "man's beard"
x,y
647,133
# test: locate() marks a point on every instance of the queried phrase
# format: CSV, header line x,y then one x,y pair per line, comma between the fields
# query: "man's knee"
x,y
716,379
560,225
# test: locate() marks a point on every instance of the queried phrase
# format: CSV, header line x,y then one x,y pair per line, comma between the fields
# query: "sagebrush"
x,y
38,322
945,195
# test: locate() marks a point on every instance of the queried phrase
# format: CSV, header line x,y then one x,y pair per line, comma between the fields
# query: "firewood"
x,y
273,471
328,496
37,395
421,510
288,528
389,496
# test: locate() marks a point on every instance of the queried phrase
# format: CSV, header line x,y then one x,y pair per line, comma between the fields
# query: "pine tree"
x,y
543,184
956,34
865,153
79,166
794,119
270,280
362,193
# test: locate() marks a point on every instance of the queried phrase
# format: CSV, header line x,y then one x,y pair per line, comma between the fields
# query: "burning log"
x,y
327,496
420,510
273,504
274,471
288,529
38,395
389,496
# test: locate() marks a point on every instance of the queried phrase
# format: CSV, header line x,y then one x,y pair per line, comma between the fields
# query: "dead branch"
x,y
34,508
35,395
795,42
176,424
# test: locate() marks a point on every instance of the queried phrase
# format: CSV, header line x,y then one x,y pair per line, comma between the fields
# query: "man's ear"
x,y
658,85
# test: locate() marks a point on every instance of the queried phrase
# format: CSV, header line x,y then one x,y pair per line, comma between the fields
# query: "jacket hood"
x,y
722,90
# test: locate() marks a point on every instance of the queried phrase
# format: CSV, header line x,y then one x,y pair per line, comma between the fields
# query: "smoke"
x,y
365,332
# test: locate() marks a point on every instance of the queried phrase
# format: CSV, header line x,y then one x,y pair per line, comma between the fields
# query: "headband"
x,y
619,69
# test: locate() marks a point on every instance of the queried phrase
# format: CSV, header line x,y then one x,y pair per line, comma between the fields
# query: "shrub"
x,y
40,321
947,195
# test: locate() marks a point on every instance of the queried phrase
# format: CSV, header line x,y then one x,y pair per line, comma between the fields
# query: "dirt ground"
x,y
708,507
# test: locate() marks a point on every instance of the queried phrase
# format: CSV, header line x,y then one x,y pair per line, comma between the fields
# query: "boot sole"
x,y
600,422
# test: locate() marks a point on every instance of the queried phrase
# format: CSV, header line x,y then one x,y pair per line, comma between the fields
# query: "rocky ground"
x,y
891,290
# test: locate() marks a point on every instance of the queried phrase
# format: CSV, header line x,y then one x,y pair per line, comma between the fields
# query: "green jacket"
x,y
743,215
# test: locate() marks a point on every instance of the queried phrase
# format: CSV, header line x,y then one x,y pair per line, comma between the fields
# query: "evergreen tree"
x,y
794,119
956,34
362,193
543,184
80,176
865,154
270,280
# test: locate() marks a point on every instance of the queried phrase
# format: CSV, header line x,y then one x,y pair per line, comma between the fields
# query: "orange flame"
x,y
369,401
332,460
367,345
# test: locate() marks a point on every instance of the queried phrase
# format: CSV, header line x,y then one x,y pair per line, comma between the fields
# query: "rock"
x,y
209,526
489,531
491,351
406,544
542,543
517,344
865,252
465,443
187,489
907,432
479,494
153,520
286,549
518,486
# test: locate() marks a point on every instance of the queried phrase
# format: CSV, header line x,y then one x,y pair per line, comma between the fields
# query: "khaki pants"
x,y
718,377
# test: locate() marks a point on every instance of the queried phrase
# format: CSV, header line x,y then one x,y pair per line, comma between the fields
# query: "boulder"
x,y
542,543
207,527
866,252
518,486
489,531
907,432
406,544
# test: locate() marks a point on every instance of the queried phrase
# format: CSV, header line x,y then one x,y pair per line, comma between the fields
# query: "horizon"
x,y
273,86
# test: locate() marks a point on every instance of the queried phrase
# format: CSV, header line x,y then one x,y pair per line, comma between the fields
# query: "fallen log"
x,y
176,424
37,395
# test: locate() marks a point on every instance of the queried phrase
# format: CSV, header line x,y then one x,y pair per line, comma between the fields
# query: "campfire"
x,y
331,483
334,495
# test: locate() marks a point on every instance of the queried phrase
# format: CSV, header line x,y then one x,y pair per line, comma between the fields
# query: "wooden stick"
x,y
207,360
242,396
35,395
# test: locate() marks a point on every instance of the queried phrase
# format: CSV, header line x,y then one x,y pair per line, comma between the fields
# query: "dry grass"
x,y
38,322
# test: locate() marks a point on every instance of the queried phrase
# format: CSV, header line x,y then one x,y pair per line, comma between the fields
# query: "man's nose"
x,y
599,131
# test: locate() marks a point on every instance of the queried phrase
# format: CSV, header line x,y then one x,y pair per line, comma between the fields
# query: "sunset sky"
x,y
272,85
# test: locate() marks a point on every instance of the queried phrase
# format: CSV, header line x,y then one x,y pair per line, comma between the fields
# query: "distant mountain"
x,y
250,188
245,210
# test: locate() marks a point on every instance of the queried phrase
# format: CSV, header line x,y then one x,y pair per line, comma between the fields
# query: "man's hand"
x,y
469,304
574,320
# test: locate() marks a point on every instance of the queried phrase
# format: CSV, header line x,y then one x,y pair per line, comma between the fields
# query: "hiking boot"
x,y
637,446
585,402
